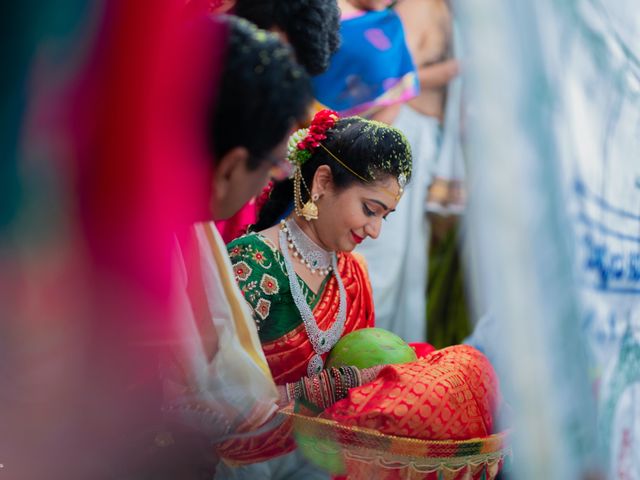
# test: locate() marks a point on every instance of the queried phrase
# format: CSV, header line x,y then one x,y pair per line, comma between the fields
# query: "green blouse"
x,y
259,269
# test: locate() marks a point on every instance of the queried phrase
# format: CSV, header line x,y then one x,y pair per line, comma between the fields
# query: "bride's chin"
x,y
350,247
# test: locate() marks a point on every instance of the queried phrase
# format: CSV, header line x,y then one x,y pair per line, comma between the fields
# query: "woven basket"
x,y
367,454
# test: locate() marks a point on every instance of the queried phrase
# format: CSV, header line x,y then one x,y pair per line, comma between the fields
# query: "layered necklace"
x,y
315,258
308,252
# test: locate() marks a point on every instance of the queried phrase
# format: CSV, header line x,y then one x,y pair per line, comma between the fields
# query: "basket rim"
x,y
497,440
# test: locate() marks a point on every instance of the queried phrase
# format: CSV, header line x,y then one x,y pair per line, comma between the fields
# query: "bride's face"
x,y
346,217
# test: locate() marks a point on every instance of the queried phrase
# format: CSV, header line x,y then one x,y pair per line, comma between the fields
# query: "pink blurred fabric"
x,y
121,126
237,225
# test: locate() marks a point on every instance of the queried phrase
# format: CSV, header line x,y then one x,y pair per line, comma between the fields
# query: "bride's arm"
x,y
328,387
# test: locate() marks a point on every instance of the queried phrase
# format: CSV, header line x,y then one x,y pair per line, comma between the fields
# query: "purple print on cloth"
x,y
378,39
389,83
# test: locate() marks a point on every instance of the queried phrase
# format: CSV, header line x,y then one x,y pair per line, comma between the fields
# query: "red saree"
x,y
451,394
289,355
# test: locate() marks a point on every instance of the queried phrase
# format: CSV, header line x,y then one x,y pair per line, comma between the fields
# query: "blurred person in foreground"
x,y
311,27
110,143
219,383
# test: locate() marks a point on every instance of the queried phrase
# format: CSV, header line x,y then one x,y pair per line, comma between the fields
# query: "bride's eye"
x,y
367,211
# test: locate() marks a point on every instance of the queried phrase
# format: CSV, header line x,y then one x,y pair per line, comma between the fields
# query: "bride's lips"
x,y
356,238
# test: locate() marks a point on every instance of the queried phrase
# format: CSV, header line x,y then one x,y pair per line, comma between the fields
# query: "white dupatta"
x,y
225,385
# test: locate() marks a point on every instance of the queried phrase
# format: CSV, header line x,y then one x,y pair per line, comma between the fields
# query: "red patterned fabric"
x,y
449,395
289,356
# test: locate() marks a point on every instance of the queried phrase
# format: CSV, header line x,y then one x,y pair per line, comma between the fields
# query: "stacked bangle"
x,y
326,388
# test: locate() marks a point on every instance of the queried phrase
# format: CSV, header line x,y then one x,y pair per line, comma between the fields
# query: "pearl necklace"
x,y
321,340
310,254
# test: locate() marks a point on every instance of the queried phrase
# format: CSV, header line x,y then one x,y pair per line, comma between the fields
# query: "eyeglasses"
x,y
280,169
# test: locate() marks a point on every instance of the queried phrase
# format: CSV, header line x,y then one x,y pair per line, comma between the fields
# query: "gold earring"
x,y
310,209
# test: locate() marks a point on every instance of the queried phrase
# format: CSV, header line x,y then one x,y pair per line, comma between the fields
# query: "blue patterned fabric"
x,y
372,68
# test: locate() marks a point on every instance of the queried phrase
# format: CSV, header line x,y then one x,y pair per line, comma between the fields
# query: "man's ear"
x,y
229,168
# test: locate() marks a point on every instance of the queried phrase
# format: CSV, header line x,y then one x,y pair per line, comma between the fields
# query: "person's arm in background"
x,y
438,74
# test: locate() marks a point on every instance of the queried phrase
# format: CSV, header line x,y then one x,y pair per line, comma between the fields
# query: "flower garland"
x,y
304,141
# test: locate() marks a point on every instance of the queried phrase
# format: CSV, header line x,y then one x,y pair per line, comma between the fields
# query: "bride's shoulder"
x,y
254,248
252,238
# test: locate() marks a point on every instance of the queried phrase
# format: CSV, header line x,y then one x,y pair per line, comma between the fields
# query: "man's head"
x,y
263,94
310,26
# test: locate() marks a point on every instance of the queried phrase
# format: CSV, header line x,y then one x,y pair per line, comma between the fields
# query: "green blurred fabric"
x,y
28,28
448,321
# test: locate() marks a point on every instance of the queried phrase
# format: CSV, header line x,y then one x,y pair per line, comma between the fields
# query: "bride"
x,y
296,271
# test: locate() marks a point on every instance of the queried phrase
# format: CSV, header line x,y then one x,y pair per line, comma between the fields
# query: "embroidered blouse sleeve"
x,y
256,272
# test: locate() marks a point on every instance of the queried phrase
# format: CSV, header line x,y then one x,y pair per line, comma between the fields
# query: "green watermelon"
x,y
369,347
317,445
322,452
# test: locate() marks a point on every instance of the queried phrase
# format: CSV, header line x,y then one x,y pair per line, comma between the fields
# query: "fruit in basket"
x,y
322,452
369,347
316,441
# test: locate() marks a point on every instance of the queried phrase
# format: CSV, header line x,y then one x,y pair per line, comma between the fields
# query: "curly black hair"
x,y
372,150
263,93
312,27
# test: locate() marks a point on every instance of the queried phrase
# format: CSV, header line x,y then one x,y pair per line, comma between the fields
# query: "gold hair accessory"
x,y
402,178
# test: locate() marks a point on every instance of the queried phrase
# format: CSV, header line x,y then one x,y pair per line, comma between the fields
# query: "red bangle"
x,y
337,378
317,390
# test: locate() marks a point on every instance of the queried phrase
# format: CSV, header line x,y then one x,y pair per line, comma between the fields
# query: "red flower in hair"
x,y
322,121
